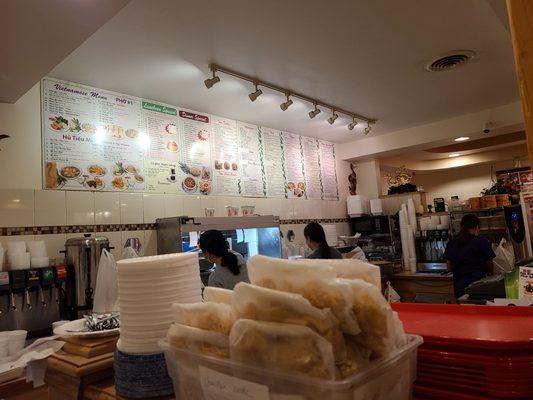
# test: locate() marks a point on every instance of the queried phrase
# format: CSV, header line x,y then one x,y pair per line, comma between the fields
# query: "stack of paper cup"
x,y
17,255
19,261
4,344
37,248
16,341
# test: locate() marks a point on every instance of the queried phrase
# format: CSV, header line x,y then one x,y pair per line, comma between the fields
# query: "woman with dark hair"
x,y
315,238
468,256
230,266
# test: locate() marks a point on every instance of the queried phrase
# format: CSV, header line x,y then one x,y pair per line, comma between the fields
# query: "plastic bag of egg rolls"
x,y
263,304
315,281
282,347
217,317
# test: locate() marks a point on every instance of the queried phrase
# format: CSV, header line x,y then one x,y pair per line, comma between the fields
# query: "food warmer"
x,y
249,235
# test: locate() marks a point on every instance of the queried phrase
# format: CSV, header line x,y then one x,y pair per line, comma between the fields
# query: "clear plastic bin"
x,y
200,377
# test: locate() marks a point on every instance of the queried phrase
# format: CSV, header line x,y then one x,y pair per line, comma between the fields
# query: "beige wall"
x,y
464,182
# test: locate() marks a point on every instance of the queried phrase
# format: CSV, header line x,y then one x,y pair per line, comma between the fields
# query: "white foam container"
x,y
385,379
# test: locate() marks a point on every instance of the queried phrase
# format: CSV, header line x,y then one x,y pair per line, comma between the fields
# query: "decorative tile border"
x,y
51,230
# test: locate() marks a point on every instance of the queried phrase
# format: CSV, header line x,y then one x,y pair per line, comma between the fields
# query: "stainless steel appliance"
x,y
82,255
248,236
430,247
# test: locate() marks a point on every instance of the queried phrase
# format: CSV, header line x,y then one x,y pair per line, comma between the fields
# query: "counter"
x,y
424,287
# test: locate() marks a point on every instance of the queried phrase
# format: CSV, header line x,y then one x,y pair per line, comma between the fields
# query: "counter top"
x,y
423,276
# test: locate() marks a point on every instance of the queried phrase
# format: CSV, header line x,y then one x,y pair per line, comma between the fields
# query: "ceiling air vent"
x,y
450,60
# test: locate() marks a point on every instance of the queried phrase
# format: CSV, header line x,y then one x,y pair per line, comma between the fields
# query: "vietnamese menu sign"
x,y
294,166
95,139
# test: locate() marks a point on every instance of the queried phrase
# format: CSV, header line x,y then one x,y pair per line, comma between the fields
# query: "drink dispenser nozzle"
x,y
32,285
17,284
46,278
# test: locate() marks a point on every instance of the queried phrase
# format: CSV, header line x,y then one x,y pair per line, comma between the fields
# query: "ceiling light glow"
x,y
454,155
462,139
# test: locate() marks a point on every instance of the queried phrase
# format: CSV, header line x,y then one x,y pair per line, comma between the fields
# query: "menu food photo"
x,y
99,140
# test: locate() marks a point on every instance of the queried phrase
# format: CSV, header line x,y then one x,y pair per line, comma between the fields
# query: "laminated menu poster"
x,y
164,151
313,181
273,163
294,166
252,184
92,139
328,170
225,156
525,282
194,172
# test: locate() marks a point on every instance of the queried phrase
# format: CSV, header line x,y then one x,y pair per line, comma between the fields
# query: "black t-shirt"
x,y
468,261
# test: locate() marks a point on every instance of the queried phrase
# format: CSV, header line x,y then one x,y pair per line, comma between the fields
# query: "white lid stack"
x,y
147,287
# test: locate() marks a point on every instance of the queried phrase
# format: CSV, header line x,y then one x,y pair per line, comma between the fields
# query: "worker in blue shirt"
x,y
468,255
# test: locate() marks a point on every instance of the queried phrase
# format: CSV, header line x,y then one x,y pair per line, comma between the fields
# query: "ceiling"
x,y
36,35
367,56
482,150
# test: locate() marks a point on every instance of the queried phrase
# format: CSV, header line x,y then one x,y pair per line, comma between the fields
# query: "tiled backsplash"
x,y
59,215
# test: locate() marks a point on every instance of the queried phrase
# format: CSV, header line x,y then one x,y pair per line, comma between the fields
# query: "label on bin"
x,y
217,386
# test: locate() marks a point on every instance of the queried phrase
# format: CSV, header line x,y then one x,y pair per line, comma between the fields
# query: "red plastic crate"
x,y
470,328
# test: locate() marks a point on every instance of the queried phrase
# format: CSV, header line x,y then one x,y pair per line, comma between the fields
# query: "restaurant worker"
x,y
230,266
315,238
468,256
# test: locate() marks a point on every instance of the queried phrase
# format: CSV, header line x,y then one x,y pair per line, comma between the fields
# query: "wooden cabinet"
x,y
424,288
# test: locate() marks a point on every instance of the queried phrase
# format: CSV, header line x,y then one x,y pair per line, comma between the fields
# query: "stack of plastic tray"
x,y
471,352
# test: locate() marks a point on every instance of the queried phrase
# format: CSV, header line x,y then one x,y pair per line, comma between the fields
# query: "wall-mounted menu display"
x,y
251,161
313,180
95,139
294,166
328,170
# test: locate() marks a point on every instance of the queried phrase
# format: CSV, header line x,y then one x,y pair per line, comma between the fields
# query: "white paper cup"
x,y
39,262
16,247
19,261
17,340
4,345
36,248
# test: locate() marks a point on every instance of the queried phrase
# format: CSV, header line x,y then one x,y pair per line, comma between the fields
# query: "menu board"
x,y
251,162
328,170
273,162
294,167
95,139
225,156
313,181
195,174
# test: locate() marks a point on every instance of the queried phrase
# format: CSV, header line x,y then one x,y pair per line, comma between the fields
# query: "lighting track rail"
x,y
335,111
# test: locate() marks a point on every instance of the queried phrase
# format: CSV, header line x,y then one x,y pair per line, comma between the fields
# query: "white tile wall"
x,y
43,208
154,207
131,208
16,207
106,208
50,208
80,208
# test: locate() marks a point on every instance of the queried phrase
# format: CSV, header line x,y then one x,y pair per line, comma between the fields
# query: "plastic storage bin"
x,y
199,377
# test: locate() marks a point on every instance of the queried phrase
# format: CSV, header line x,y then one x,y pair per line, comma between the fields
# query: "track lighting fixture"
x,y
333,117
314,113
254,95
286,104
290,94
352,124
209,82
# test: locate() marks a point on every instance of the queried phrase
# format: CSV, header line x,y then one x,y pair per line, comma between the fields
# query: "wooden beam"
x,y
521,22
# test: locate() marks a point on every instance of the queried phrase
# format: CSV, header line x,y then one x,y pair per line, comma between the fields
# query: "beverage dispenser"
x,y
82,258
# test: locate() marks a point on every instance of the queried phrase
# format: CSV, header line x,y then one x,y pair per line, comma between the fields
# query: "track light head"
x,y
367,129
314,113
286,104
333,117
352,124
254,95
209,82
